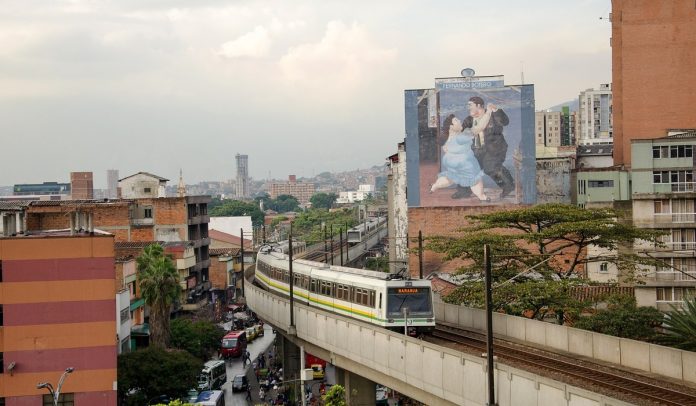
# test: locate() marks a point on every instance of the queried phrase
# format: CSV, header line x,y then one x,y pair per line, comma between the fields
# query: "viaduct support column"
x,y
291,366
359,391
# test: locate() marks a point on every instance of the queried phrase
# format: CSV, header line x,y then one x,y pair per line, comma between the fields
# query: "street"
x,y
234,367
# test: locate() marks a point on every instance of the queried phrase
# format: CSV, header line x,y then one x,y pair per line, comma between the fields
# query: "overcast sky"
x,y
301,86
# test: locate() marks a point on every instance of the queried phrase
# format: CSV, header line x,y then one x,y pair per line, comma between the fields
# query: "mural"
x,y
470,142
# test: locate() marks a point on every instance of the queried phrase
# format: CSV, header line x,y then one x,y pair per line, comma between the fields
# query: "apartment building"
x,y
302,191
663,198
595,120
58,312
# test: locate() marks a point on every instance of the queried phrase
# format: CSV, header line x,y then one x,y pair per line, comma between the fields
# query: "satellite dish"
x,y
468,72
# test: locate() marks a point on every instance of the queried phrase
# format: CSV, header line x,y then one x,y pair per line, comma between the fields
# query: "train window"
x,y
372,298
380,300
313,286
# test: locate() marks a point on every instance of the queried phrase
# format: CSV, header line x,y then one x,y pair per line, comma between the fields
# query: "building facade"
x,y
112,183
58,312
242,176
81,185
653,70
397,208
595,120
302,191
663,198
142,185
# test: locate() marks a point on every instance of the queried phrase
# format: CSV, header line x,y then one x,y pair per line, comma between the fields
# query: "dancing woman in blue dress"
x,y
459,165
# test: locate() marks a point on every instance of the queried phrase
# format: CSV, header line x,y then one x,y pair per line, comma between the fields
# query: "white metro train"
x,y
374,297
363,230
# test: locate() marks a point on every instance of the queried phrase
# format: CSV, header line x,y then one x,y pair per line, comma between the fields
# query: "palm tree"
x,y
159,285
680,327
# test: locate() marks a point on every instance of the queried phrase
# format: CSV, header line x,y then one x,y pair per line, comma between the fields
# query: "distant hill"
x,y
573,104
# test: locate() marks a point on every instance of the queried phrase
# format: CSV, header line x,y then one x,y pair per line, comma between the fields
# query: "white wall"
x,y
232,225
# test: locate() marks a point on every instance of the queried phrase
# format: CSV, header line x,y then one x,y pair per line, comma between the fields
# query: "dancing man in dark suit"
x,y
489,144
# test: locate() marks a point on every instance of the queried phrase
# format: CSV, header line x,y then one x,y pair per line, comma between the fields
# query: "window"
x,y
0,270
661,206
148,213
65,399
125,315
147,190
581,186
604,267
673,151
600,183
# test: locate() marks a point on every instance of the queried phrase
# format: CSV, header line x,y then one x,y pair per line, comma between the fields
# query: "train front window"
x,y
417,300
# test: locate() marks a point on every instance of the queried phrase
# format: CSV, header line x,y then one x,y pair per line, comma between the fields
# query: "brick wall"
x,y
445,221
653,70
168,211
217,273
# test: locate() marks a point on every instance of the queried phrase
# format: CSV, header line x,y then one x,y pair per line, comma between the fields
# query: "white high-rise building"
x,y
112,183
242,176
595,121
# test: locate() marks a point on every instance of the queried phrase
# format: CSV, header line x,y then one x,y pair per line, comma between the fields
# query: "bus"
x,y
213,376
233,344
211,398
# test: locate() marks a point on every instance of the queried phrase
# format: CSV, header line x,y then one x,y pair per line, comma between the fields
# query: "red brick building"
x,y
653,70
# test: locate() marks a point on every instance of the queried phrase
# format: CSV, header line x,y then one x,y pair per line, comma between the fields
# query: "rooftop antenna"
x,y
522,71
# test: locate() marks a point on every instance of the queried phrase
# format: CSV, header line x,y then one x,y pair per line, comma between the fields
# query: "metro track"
x,y
633,388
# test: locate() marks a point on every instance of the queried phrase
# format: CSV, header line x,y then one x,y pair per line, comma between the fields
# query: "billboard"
x,y
470,142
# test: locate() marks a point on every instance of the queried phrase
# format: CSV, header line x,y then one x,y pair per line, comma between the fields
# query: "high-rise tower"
x,y
112,183
242,176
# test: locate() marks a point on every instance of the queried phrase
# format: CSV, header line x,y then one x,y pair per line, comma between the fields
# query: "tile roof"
x,y
135,244
13,205
79,202
600,291
233,252
228,238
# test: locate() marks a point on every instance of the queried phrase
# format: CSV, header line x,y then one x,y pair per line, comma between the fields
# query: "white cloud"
x,y
345,56
254,44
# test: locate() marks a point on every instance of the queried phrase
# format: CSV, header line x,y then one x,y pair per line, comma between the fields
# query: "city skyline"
x,y
301,88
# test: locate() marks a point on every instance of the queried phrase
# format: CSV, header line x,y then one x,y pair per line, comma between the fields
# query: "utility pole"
x,y
331,245
292,309
326,249
340,235
241,245
420,253
489,325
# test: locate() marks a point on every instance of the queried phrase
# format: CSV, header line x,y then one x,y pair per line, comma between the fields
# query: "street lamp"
x,y
55,394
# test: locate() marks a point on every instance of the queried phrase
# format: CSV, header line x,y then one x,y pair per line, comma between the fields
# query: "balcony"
x,y
190,307
142,222
199,219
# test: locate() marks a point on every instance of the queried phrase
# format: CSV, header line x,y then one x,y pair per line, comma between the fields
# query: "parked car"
x,y
251,334
240,383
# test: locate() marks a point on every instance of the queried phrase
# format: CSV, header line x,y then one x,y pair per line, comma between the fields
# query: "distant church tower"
x,y
181,188
242,176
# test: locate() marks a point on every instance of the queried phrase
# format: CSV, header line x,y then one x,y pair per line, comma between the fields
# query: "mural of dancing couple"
x,y
473,142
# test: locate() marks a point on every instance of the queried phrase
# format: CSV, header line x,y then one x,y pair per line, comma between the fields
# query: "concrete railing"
x,y
424,371
666,361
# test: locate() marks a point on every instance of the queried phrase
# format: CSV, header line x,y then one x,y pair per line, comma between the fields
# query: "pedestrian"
x,y
262,394
248,396
257,373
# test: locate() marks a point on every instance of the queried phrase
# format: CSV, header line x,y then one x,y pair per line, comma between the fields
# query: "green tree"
x,y
680,327
323,200
539,238
623,318
284,203
154,371
200,338
239,208
335,396
159,284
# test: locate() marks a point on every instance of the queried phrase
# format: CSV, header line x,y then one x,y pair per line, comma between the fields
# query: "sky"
x,y
300,86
